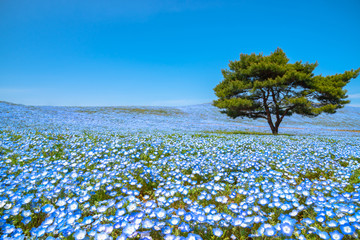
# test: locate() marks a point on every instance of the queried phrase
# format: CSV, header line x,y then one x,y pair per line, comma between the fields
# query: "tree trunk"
x,y
274,127
275,130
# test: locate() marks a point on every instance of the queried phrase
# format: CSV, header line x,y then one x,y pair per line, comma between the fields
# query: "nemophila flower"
x,y
323,235
174,221
50,229
200,218
129,229
102,209
180,212
131,207
351,219
48,221
237,221
71,220
92,233
147,224
287,219
26,220
166,230
80,234
330,213
26,213
347,229
305,193
308,221
40,232
294,213
120,212
263,201
188,217
269,231
336,235
320,219
343,221
217,232
26,199
169,237
61,202
121,237
286,207
15,210
332,223
216,217
356,225
8,229
48,208
221,199
101,236
192,236
160,213
184,227
286,229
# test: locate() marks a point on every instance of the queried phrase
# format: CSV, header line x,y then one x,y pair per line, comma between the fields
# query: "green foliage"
x,y
270,87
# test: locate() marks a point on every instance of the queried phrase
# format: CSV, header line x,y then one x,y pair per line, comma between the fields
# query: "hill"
x,y
202,117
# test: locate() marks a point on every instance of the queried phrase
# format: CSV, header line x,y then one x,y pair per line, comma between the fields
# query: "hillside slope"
x,y
202,117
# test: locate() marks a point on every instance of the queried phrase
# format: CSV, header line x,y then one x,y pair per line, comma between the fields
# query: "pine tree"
x,y
270,87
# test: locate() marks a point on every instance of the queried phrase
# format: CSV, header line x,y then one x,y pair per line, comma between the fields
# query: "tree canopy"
x,y
269,87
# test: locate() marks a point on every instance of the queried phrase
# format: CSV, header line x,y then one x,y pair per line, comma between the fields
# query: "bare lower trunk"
x,y
274,128
275,131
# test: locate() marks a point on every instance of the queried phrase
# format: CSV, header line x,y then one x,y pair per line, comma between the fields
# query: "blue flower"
x,y
270,231
184,227
166,230
131,207
48,208
332,223
80,234
263,201
188,217
347,229
174,221
101,236
192,236
336,235
26,220
323,235
129,229
217,232
147,223
320,219
286,229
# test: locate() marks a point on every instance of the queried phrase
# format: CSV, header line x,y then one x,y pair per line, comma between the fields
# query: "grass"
x,y
244,132
135,110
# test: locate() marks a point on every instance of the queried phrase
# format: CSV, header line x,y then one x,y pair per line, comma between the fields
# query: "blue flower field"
x,y
176,173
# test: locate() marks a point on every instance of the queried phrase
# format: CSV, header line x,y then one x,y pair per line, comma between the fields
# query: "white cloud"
x,y
356,95
354,105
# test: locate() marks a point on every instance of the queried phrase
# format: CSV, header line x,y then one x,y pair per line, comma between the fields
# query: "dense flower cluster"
x,y
172,186
72,183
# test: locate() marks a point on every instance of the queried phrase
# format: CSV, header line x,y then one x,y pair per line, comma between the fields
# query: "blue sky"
x,y
161,52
